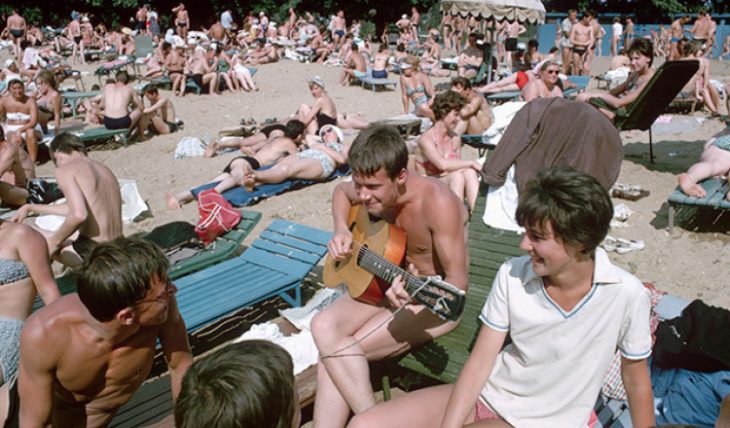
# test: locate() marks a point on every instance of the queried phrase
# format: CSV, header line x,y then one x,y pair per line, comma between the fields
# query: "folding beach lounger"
x,y
663,87
715,188
477,141
375,82
223,248
74,97
98,133
240,197
113,66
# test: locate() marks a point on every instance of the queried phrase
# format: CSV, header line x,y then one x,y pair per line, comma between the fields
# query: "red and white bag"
x,y
217,216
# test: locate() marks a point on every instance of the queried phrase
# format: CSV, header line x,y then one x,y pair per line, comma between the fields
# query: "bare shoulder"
x,y
50,324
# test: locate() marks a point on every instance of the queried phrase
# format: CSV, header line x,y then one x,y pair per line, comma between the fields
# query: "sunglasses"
x,y
328,130
552,71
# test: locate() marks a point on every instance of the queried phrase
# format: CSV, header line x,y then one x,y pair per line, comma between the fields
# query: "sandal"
x,y
629,192
609,244
628,245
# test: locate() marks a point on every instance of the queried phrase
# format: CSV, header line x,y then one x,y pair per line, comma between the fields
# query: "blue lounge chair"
x,y
715,188
375,82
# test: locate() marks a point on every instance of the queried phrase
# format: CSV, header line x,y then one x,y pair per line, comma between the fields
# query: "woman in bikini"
x,y
324,112
641,55
439,150
317,162
21,116
49,101
25,271
416,87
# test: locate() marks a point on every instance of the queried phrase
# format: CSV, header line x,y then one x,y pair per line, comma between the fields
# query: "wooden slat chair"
x,y
715,188
477,141
223,248
488,247
654,99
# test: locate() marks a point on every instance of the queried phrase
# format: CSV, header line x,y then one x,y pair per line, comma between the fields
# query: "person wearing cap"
x,y
322,112
470,58
317,162
416,87
181,21
21,116
581,37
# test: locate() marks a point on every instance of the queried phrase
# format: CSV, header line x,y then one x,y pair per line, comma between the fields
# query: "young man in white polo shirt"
x,y
567,310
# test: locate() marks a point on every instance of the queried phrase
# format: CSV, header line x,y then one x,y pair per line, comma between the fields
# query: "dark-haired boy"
x,y
160,114
433,219
84,356
250,383
567,310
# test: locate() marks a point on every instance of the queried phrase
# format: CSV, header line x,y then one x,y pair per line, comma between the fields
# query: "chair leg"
x,y
670,226
386,388
651,147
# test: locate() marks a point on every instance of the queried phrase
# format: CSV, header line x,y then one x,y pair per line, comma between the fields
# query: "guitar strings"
x,y
372,256
371,332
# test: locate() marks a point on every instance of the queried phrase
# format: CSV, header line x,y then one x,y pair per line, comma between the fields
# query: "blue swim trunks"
x,y
722,142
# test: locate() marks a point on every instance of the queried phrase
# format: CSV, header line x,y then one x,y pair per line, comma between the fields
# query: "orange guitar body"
x,y
387,240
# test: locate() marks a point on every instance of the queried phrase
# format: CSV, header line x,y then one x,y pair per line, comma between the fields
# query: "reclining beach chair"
x,y
376,82
143,46
715,188
100,133
663,87
223,248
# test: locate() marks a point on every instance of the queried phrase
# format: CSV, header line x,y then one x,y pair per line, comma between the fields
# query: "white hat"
x,y
521,46
404,16
9,62
317,81
338,131
127,31
85,19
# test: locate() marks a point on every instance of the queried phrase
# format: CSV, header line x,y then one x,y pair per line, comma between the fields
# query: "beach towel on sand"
x,y
240,197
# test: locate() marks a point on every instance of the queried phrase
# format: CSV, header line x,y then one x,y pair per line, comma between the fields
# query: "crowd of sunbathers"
x,y
135,306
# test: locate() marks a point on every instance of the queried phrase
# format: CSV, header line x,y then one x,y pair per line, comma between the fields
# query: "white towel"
x,y
502,204
503,115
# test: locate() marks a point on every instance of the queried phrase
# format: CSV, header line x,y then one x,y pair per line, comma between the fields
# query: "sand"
x,y
690,262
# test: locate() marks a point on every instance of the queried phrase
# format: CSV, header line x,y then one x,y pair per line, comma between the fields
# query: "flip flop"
x,y
628,245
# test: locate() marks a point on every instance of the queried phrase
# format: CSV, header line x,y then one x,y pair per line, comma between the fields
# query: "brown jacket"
x,y
555,131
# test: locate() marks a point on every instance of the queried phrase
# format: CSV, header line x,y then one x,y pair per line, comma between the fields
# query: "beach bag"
x,y
217,216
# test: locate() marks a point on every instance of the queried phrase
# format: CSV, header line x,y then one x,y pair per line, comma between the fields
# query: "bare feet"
x,y
689,187
249,182
212,149
172,202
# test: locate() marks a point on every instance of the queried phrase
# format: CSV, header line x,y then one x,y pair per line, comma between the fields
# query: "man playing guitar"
x,y
350,333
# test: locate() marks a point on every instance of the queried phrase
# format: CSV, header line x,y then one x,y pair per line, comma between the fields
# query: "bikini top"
x,y
12,271
17,117
410,91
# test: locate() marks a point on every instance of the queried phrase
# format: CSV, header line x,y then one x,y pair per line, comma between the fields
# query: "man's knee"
x,y
323,326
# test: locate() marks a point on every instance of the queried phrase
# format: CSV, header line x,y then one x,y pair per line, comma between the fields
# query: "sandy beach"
x,y
691,262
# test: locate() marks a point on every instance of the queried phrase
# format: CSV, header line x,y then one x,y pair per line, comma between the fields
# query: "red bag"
x,y
217,216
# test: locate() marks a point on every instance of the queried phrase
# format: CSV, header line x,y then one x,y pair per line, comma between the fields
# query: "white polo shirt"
x,y
551,373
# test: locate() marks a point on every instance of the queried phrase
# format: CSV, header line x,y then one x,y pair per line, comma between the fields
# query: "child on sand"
x,y
567,310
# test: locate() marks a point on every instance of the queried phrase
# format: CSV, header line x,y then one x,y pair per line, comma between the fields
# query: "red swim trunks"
x,y
522,79
483,412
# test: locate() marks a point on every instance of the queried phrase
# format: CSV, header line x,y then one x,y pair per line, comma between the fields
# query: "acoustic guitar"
x,y
378,250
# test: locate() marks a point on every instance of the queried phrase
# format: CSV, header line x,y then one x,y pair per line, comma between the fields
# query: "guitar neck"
x,y
387,271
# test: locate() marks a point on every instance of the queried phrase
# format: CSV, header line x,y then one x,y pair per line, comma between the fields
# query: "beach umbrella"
x,y
532,11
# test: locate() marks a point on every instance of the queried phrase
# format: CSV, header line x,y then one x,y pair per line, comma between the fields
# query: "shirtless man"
x,y
98,346
74,31
115,101
263,53
93,202
711,35
701,28
471,58
598,34
217,33
512,29
140,25
676,31
278,147
355,67
581,37
201,71
160,114
17,28
12,174
415,21
433,219
629,32
181,21
476,116
339,29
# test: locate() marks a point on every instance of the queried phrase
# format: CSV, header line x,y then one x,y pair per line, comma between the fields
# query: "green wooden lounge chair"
x,y
654,99
443,358
716,189
223,248
74,97
476,141
99,133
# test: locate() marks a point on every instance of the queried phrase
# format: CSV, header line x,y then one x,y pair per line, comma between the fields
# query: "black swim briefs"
x,y
117,122
251,161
